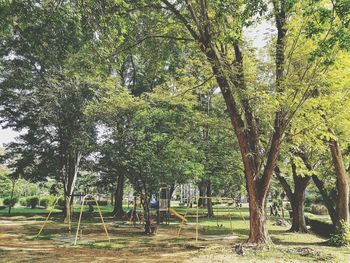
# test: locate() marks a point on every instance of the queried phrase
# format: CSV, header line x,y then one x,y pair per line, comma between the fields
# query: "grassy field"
x,y
219,240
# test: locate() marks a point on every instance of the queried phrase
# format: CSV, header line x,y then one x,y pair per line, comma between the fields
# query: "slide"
x,y
177,215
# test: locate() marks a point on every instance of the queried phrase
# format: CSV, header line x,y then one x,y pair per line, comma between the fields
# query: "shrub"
x,y
46,201
288,206
100,203
318,209
23,201
341,236
313,199
10,202
61,203
32,201
307,209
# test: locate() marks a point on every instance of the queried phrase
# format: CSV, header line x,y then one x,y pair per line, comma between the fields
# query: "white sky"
x,y
7,135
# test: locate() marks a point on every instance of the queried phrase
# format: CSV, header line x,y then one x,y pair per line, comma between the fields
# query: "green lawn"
x,y
131,241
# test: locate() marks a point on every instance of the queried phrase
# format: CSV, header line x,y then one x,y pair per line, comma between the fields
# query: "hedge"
x,y
10,202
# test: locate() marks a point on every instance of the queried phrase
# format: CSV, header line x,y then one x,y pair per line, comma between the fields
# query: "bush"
x,y
23,201
10,202
313,199
341,236
100,203
307,209
32,201
61,203
288,206
319,227
319,209
46,201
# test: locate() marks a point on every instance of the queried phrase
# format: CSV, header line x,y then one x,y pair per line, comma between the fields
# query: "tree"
x,y
216,29
44,94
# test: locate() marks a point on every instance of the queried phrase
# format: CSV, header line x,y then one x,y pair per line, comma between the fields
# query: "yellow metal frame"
x,y
81,212
197,217
48,216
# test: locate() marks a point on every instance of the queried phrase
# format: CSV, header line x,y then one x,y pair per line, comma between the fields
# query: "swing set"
x,y
89,196
226,200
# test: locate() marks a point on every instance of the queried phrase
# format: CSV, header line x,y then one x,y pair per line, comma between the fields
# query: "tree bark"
x,y
258,227
342,206
118,196
230,80
296,198
328,202
209,201
145,204
202,186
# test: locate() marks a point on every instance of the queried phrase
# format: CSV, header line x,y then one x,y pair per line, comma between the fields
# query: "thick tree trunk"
x,y
147,219
258,227
327,200
70,170
342,206
298,219
296,198
118,196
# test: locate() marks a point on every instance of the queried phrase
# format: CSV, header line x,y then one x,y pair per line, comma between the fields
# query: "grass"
x,y
130,242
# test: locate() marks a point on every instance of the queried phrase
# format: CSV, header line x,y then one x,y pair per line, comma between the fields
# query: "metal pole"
x,y
47,218
103,222
197,220
81,212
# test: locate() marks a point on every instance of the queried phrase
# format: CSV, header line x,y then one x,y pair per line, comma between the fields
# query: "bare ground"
x,y
127,245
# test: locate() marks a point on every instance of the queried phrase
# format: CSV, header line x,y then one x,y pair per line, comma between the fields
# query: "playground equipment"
x,y
48,216
177,215
80,217
226,200
133,213
81,212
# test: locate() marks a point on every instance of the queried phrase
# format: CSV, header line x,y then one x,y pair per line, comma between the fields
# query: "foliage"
x,y
46,201
341,236
319,209
10,202
311,199
32,201
23,201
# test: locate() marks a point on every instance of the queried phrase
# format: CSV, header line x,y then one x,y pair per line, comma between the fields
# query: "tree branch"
x,y
182,19
284,184
150,37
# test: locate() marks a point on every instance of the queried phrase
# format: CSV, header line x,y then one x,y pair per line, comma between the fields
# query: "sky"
x,y
7,135
258,35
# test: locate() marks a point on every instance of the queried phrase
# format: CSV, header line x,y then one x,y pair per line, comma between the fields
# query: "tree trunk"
x,y
296,198
145,204
342,206
298,219
202,188
258,227
171,191
112,198
209,201
12,193
70,170
118,197
327,200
